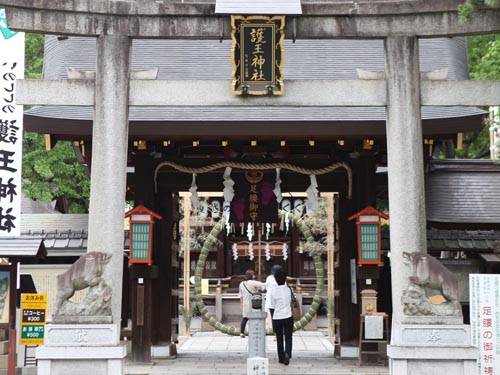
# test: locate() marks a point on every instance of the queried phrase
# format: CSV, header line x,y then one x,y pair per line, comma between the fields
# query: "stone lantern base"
x,y
428,349
81,349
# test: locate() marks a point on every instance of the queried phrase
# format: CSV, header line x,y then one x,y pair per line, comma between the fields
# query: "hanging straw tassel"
x,y
194,193
277,187
312,203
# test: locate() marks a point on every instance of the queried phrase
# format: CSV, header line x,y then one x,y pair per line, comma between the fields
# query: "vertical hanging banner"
x,y
485,321
258,54
254,199
11,129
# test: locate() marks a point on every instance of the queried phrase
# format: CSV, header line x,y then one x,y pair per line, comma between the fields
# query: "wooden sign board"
x,y
257,55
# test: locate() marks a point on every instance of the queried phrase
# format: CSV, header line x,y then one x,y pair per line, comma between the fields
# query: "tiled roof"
x,y
463,191
51,222
63,234
456,240
209,59
30,206
22,246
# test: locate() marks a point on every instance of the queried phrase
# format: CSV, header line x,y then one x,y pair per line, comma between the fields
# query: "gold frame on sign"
x,y
279,22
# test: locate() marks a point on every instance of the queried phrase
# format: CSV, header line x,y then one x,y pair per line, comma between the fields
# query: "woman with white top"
x,y
270,285
281,298
247,288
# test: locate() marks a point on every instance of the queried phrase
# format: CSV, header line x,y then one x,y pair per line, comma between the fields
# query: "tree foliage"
x,y
484,57
34,56
468,10
54,174
484,64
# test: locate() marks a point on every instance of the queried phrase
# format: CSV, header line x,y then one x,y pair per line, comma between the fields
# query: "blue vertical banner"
x,y
11,128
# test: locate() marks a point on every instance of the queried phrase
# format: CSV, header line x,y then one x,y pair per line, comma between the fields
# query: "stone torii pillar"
x,y
97,345
405,161
419,344
109,158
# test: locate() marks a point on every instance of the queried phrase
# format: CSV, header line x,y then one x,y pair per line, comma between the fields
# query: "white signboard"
x,y
11,129
485,321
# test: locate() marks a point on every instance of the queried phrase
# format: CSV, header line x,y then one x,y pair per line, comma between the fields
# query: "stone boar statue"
x,y
429,272
85,272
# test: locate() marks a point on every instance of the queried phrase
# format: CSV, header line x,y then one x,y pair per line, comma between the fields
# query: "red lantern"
x,y
369,236
141,235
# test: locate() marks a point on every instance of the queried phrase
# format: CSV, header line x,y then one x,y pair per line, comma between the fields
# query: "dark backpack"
x,y
255,299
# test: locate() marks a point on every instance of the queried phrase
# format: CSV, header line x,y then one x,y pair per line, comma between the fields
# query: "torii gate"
x,y
402,92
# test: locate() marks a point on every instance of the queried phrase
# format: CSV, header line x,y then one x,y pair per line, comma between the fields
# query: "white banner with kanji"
x,y
11,129
485,321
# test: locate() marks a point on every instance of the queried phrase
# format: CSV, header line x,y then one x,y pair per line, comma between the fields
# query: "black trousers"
x,y
271,311
283,328
243,324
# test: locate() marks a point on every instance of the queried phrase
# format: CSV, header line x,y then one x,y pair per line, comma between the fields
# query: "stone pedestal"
x,y
422,349
167,351
81,349
257,362
257,334
257,366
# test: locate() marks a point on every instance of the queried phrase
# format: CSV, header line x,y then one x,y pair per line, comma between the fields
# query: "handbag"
x,y
294,305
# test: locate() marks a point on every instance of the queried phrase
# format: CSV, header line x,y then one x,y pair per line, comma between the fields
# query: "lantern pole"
x,y
187,260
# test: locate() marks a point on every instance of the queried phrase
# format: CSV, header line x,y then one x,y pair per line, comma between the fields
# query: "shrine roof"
x,y
22,246
62,234
456,240
209,59
463,191
36,207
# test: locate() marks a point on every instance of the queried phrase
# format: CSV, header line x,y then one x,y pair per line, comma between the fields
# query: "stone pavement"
x,y
211,353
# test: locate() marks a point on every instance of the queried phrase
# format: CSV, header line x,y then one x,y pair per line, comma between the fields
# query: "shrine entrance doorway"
x,y
307,269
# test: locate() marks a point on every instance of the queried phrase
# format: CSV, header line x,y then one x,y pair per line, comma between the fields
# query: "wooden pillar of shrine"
x,y
346,303
142,275
166,298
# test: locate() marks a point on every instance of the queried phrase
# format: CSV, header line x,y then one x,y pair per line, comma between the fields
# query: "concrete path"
x,y
210,353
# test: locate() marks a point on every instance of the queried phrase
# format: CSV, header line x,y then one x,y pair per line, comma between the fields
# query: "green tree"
x,y
51,174
54,174
484,56
34,56
469,9
484,64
